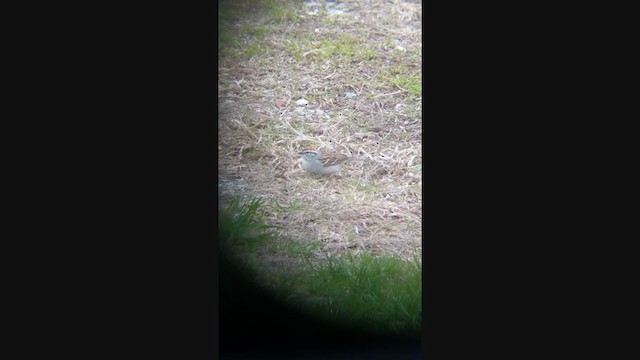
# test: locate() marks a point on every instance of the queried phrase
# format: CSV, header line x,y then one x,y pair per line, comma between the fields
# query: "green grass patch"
x,y
298,46
343,49
289,206
411,83
254,50
363,293
299,248
378,295
280,10
265,10
407,57
243,25
403,77
347,48
241,225
253,31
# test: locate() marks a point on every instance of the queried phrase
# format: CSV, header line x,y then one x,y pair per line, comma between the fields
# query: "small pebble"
x,y
302,102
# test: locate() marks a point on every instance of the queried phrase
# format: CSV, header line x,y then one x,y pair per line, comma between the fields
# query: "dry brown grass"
x,y
374,51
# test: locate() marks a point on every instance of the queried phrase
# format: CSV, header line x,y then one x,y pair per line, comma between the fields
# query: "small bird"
x,y
315,163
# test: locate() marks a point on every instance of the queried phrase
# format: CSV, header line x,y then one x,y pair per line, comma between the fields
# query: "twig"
x,y
398,86
397,92
313,51
327,77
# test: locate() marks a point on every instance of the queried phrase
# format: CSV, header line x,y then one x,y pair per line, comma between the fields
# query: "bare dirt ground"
x,y
358,65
